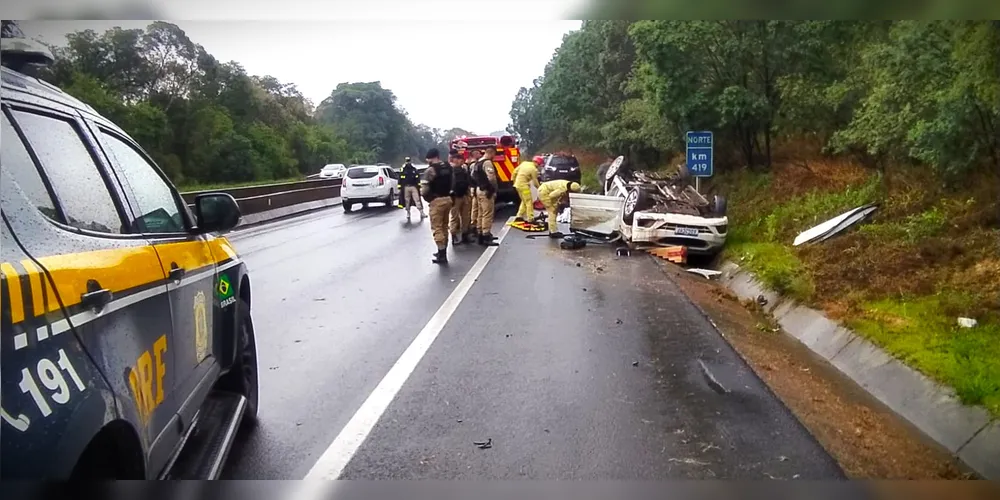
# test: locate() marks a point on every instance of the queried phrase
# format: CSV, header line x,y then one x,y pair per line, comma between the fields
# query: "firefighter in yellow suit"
x,y
525,176
550,193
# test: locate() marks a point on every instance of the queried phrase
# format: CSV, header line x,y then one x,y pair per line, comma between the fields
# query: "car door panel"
x,y
53,395
128,334
185,258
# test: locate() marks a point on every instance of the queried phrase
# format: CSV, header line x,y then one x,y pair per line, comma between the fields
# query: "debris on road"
x,y
710,378
564,217
707,273
484,445
618,321
761,300
829,228
967,322
623,252
675,254
635,363
688,461
572,242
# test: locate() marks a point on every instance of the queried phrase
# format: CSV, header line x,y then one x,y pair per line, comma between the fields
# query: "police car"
x,y
128,347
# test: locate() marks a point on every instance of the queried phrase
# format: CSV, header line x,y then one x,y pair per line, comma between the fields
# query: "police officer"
x,y
409,181
437,187
461,208
485,175
474,156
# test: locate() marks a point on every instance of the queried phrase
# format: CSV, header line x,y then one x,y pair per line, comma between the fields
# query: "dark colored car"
x,y
561,167
128,345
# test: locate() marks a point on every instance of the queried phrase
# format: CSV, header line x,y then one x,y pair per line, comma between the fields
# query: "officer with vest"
x,y
409,181
437,187
474,157
485,174
526,176
551,193
461,208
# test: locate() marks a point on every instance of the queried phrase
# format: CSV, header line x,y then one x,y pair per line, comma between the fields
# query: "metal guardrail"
x,y
256,199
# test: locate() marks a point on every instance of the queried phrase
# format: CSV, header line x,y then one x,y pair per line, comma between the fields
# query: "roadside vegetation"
x,y
210,123
812,119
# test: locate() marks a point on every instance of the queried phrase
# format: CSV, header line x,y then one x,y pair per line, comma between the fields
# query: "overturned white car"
x,y
648,210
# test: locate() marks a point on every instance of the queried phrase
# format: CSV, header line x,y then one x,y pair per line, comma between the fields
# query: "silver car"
x,y
333,171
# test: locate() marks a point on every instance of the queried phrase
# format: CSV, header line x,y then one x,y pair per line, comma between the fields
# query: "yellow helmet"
x,y
574,187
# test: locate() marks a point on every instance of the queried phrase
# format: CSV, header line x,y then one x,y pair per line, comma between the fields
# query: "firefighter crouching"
x,y
551,193
485,174
525,176
474,157
409,180
461,209
436,188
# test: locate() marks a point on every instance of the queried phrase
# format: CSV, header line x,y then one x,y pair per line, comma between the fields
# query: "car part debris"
x,y
707,273
675,254
564,217
967,322
831,227
572,242
761,300
710,378
484,445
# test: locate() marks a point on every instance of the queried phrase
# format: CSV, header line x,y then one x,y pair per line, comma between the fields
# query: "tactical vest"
x,y
441,184
479,176
462,182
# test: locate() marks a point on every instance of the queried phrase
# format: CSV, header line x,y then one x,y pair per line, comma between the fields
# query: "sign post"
x,y
700,146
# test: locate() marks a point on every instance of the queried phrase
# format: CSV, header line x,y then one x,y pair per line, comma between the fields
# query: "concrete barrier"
x,y
968,432
273,201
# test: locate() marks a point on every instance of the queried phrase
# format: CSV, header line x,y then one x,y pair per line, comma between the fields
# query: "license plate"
x,y
687,231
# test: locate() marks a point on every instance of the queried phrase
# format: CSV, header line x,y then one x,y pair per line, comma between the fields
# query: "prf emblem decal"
x,y
200,326
225,289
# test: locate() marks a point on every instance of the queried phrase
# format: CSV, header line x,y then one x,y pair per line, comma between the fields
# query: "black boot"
x,y
486,240
456,240
468,237
441,257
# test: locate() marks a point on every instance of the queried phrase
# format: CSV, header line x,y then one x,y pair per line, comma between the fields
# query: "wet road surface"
x,y
575,365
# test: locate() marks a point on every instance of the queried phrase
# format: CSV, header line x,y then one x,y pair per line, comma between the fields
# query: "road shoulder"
x,y
865,437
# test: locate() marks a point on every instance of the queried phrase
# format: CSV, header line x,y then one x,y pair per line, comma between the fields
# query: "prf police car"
x,y
127,345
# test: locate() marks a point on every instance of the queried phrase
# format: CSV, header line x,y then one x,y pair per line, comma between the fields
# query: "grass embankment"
x,y
927,256
189,188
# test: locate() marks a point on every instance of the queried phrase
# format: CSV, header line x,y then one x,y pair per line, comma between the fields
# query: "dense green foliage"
x,y
205,121
906,91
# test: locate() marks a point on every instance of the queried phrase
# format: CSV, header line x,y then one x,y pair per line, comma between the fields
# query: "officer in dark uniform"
x,y
409,182
437,187
461,210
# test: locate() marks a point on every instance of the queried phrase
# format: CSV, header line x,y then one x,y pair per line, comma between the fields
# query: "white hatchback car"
x,y
333,171
369,183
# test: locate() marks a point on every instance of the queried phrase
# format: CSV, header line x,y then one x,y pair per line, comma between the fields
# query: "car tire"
x,y
243,377
636,200
719,206
347,207
389,199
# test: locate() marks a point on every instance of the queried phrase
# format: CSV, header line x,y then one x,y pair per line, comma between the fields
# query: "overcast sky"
x,y
425,63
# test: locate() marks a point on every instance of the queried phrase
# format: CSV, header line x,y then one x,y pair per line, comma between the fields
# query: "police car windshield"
x,y
362,172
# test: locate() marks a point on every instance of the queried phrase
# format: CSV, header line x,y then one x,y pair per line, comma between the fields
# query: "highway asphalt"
x,y
574,365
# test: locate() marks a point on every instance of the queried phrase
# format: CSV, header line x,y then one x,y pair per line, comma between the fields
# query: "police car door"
x,y
185,258
88,265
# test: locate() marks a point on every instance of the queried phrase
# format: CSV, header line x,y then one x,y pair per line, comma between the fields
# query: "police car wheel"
x,y
243,376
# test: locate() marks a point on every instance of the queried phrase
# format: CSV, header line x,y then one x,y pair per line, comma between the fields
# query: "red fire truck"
x,y
506,159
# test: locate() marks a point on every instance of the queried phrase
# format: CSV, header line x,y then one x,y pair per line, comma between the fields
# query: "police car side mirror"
x,y
216,212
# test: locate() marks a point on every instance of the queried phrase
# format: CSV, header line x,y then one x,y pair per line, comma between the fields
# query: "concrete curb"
x,y
968,432
279,213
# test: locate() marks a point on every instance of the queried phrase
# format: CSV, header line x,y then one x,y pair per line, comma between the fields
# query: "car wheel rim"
x,y
630,201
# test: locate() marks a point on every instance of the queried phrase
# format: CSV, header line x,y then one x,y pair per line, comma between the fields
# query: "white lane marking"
x,y
333,461
20,341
